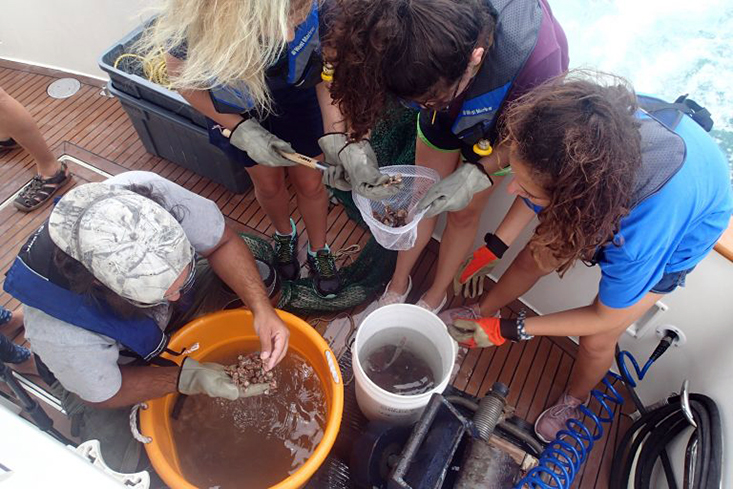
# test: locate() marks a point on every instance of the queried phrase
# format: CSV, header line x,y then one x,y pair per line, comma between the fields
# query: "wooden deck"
x,y
95,129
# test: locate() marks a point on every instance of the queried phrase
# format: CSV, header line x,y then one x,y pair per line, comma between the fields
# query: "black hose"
x,y
656,429
661,348
462,401
658,440
523,436
508,428
621,465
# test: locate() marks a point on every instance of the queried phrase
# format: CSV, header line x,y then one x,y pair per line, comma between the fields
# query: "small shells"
x,y
393,180
392,218
250,370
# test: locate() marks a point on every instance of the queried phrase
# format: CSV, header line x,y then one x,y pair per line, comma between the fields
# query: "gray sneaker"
x,y
554,418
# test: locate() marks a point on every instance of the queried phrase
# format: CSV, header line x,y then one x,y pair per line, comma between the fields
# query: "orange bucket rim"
x,y
333,421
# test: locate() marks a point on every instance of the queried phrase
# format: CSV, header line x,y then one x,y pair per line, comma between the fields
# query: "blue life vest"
x,y
300,68
517,29
35,281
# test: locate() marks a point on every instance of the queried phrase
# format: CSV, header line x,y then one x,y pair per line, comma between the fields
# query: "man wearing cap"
x,y
111,272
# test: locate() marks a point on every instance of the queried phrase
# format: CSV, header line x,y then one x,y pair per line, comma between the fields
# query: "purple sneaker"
x,y
554,418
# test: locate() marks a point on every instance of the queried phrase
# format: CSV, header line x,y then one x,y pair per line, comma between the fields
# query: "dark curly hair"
x,y
83,282
408,49
580,140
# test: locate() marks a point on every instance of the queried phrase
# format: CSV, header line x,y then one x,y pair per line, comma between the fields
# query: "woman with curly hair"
x,y
643,193
250,66
459,62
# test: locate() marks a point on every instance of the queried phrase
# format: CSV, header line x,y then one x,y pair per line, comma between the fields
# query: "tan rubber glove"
x,y
212,380
260,144
353,166
455,191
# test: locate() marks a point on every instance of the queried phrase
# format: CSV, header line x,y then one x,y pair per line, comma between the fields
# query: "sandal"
x,y
8,144
40,189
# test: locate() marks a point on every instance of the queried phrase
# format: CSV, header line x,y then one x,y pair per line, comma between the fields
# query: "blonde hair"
x,y
230,42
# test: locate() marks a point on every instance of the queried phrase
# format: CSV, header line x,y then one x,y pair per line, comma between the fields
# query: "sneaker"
x,y
553,419
8,144
12,353
326,279
434,310
389,297
286,255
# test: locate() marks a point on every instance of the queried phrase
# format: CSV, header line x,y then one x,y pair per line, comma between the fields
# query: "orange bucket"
x,y
225,333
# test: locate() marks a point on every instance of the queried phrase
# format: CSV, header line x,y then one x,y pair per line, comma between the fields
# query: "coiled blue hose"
x,y
562,459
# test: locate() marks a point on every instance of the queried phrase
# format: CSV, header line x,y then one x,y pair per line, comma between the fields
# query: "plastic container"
x,y
176,139
378,404
140,87
416,180
223,333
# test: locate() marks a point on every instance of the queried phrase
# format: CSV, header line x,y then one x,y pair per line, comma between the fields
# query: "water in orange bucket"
x,y
221,337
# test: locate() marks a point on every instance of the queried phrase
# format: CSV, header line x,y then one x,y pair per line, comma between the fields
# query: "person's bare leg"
x,y
457,241
312,201
17,123
521,275
272,195
596,352
516,219
444,163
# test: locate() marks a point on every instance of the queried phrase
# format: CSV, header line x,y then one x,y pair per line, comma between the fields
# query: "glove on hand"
x,y
469,281
212,380
455,191
354,167
478,333
260,144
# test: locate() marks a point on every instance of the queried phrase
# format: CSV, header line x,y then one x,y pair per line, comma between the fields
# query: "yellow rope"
x,y
154,68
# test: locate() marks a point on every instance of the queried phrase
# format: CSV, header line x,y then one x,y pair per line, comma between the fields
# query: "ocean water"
x,y
664,47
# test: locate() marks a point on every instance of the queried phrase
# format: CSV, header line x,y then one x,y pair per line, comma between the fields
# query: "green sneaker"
x,y
325,275
286,254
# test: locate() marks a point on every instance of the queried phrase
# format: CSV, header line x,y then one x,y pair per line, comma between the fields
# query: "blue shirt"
x,y
673,229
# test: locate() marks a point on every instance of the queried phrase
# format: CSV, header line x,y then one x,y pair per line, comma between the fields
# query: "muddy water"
x,y
401,361
256,442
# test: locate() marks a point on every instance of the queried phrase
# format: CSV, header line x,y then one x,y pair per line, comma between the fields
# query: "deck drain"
x,y
63,88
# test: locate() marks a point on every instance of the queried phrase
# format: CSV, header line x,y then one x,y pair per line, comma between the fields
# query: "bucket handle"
x,y
332,366
133,424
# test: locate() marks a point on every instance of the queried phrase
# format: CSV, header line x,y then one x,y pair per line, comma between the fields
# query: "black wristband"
x,y
495,245
513,329
508,329
238,124
480,167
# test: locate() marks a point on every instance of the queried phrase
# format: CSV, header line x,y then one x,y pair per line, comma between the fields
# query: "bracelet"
x,y
522,334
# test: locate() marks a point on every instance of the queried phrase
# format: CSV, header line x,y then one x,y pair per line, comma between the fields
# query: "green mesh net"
x,y
393,140
361,280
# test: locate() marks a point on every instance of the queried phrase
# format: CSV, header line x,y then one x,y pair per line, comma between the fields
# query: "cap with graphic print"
x,y
128,242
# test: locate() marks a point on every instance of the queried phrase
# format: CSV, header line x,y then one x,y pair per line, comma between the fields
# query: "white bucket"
x,y
378,404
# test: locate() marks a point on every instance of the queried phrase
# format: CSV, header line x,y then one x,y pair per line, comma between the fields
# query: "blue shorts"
x,y
295,118
670,281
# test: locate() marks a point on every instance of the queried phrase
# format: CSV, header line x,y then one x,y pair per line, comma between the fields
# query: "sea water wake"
x,y
664,47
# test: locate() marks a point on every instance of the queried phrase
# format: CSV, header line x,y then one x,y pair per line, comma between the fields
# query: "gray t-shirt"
x,y
87,363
